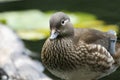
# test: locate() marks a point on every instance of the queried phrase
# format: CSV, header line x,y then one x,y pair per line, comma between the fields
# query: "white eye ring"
x,y
63,22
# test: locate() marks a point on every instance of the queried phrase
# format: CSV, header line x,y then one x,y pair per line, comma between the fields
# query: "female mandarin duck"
x,y
79,54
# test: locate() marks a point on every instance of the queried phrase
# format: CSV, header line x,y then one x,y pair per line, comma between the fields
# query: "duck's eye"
x,y
62,22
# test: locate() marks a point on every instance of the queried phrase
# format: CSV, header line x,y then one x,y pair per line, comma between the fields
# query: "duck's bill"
x,y
54,34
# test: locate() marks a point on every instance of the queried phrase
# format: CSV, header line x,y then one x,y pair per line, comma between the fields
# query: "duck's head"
x,y
60,26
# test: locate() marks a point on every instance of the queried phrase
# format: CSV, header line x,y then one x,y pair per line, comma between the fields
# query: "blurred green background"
x,y
30,19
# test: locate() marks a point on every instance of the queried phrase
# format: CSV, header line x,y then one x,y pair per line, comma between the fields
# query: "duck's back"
x,y
92,36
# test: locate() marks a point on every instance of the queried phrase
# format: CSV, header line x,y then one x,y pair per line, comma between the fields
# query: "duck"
x,y
79,53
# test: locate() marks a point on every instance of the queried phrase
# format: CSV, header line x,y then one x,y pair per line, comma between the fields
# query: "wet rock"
x,y
14,60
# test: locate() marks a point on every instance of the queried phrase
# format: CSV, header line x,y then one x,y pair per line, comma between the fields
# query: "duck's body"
x,y
81,55
66,58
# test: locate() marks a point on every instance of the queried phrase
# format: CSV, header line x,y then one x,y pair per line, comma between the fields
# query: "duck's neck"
x,y
67,33
66,36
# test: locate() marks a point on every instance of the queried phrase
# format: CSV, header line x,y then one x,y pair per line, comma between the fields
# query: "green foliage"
x,y
34,24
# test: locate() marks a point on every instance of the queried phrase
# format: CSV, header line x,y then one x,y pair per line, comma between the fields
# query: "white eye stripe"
x,y
64,22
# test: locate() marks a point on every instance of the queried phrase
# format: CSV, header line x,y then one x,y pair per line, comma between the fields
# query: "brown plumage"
x,y
78,54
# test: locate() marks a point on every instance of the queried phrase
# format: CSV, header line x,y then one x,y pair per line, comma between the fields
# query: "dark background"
x,y
106,10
